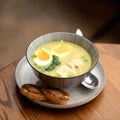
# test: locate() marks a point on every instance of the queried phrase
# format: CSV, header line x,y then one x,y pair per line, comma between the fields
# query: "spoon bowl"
x,y
90,81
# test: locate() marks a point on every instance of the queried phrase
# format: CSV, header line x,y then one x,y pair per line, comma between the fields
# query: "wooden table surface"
x,y
106,106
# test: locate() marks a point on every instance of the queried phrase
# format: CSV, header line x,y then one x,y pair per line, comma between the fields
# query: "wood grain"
x,y
13,106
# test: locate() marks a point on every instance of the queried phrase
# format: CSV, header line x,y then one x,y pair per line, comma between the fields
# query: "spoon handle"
x,y
90,80
79,32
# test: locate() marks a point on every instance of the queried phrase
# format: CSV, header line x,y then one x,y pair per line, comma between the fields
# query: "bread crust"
x,y
32,92
56,95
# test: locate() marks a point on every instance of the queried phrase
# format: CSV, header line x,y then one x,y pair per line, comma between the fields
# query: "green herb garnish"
x,y
55,62
33,56
84,58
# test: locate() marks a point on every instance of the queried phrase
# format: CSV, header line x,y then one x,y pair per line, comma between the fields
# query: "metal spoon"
x,y
90,81
79,32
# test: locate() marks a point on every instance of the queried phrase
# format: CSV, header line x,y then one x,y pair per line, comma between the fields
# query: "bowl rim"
x,y
97,59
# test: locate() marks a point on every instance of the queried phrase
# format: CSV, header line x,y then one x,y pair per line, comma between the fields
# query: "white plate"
x,y
78,95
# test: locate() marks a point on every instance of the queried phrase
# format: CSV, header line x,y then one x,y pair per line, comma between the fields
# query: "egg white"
x,y
41,62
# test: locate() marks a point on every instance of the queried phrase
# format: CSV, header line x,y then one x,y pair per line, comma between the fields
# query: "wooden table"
x,y
106,106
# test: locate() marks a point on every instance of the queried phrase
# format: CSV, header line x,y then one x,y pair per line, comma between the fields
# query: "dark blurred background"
x,y
21,21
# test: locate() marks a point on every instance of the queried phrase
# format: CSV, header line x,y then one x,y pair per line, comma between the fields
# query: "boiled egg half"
x,y
42,57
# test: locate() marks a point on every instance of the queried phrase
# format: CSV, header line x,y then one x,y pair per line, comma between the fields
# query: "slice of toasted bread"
x,y
32,92
56,95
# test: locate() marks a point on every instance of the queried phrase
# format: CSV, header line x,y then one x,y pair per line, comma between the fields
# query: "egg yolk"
x,y
43,55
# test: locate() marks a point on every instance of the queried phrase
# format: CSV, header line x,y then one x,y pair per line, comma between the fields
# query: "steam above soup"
x,y
61,59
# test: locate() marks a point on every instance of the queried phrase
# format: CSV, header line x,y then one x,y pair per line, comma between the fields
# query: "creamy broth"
x,y
61,59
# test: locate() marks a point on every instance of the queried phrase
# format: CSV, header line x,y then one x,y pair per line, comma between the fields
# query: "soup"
x,y
61,59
